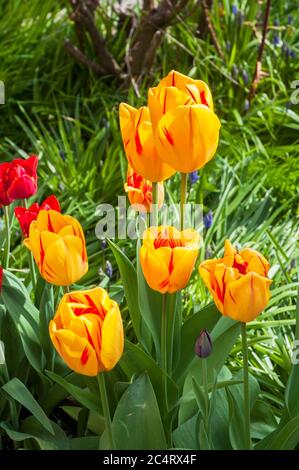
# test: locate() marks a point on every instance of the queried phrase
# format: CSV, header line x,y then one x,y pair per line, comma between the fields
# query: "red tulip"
x,y
1,277
26,216
18,179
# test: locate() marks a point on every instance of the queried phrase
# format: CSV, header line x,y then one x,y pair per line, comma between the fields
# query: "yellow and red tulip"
x,y
238,282
87,331
185,127
58,246
137,135
168,256
139,191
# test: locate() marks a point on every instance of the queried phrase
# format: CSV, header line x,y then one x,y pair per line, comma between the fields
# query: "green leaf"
x,y
291,395
47,310
150,306
136,361
200,397
206,318
235,396
263,421
137,422
85,443
25,316
285,438
18,391
129,280
219,421
223,336
13,348
32,429
204,442
185,436
96,423
84,396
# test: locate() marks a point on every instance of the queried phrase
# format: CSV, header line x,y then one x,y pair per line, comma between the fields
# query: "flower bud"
x,y
203,345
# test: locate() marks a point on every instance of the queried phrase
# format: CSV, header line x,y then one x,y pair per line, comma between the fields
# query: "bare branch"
x,y
82,59
149,5
106,59
155,20
211,30
258,73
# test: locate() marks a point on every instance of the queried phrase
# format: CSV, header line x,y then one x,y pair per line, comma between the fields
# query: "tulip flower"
x,y
26,216
139,191
168,256
58,246
137,135
238,282
1,277
203,345
18,180
185,127
87,331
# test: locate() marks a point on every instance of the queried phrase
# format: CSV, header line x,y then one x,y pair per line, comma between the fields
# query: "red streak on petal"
x,y
193,97
138,144
163,284
168,136
172,79
50,226
85,356
42,252
171,264
203,99
231,296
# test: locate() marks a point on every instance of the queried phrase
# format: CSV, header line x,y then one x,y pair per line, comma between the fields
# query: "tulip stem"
x,y
246,386
164,349
7,238
30,256
183,198
106,411
204,370
154,218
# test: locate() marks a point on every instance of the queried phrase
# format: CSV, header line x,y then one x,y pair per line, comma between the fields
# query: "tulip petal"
x,y
77,353
138,141
247,297
206,271
256,261
229,253
112,338
51,221
163,99
183,265
183,82
155,267
187,137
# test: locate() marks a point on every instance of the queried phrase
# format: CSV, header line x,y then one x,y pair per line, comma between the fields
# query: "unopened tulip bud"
x,y
203,345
